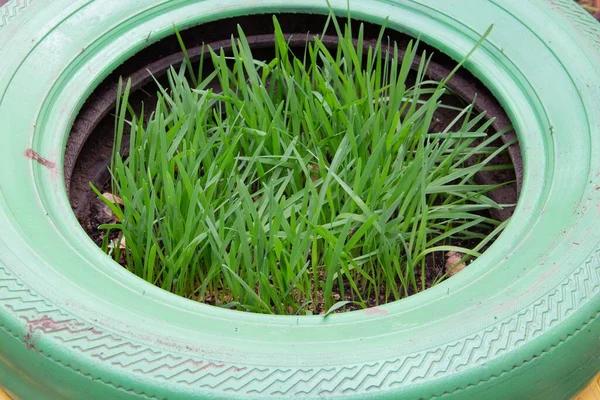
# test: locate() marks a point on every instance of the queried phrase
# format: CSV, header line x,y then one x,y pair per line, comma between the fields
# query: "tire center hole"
x,y
90,145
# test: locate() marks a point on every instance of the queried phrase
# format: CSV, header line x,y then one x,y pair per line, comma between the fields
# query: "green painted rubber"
x,y
520,322
11,9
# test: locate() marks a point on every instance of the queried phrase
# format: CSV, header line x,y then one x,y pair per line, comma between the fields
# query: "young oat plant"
x,y
303,183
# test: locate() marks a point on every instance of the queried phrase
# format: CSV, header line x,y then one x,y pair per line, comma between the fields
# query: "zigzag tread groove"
x,y
11,9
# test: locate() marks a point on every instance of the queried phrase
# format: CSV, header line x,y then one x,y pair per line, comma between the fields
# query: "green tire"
x,y
520,322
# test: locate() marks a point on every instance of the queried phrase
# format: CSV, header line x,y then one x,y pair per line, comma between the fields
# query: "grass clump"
x,y
300,184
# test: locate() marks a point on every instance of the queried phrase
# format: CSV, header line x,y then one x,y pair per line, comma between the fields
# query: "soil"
x,y
90,144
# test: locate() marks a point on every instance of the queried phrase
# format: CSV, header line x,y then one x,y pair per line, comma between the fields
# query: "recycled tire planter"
x,y
520,322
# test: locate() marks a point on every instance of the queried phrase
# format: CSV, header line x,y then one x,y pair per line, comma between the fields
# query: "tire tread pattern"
x,y
11,9
582,19
40,317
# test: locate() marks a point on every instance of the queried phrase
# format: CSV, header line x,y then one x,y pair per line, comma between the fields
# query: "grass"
x,y
304,183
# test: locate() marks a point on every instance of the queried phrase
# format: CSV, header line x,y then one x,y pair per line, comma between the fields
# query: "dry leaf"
x,y
453,264
108,214
121,243
112,198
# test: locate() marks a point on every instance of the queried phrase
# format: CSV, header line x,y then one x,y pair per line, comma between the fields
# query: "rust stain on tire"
x,y
33,155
